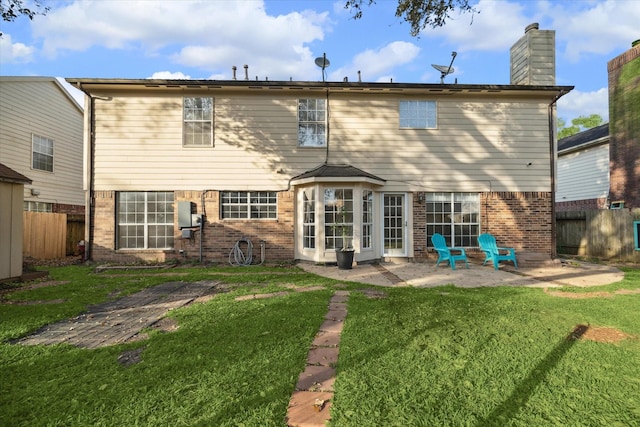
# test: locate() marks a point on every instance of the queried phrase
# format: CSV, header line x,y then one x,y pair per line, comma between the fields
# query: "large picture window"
x,y
249,205
198,122
145,220
42,153
338,218
418,115
454,215
312,123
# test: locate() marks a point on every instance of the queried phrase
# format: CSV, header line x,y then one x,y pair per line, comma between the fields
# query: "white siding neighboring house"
x,y
41,136
583,170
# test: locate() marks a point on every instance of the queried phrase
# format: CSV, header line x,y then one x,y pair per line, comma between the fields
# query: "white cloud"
x,y
378,62
15,53
495,28
577,103
168,75
209,35
606,27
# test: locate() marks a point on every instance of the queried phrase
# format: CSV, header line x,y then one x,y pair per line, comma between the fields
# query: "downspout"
x,y
326,160
553,155
88,252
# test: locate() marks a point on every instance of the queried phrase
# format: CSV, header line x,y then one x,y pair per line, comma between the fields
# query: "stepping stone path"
x,y
118,321
310,404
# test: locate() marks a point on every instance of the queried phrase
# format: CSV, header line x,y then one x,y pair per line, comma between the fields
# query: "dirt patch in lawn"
x,y
583,295
602,334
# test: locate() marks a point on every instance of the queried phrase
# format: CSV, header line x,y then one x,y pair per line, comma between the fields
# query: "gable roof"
x,y
335,173
44,79
584,139
9,175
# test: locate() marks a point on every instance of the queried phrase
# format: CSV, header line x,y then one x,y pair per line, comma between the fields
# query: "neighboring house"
x,y
600,167
11,199
583,170
41,135
624,126
291,164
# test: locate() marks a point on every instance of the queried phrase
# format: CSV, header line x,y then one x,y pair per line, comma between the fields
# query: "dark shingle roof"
x,y
584,137
337,171
9,175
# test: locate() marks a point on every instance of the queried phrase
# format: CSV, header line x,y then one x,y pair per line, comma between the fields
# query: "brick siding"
x,y
582,205
520,220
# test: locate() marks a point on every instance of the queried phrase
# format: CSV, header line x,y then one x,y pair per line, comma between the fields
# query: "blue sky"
x,y
279,40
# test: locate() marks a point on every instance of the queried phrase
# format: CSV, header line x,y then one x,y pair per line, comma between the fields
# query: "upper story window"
x,y
42,153
249,205
198,122
418,114
312,123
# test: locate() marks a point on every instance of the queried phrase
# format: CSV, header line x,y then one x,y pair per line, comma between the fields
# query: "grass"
x,y
418,357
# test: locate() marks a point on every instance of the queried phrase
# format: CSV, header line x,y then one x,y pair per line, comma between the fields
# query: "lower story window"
x,y
367,219
249,205
38,206
145,220
454,215
338,218
309,219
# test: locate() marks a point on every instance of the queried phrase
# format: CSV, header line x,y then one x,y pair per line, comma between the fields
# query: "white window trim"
x,y
435,104
248,204
211,121
33,151
323,122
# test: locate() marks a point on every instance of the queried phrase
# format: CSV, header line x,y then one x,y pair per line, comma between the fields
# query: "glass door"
x,y
394,225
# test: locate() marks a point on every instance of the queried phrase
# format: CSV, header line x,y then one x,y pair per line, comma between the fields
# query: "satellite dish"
x,y
323,63
444,70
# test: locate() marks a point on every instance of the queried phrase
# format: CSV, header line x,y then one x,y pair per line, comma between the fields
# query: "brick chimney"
x,y
533,58
624,127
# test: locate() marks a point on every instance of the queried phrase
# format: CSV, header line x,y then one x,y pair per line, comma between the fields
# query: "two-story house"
x,y
41,136
293,164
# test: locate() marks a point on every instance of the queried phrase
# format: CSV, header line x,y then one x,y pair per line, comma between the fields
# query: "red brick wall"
x,y
582,205
67,209
520,220
219,235
624,127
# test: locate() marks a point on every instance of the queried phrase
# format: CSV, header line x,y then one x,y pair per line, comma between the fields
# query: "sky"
x,y
280,40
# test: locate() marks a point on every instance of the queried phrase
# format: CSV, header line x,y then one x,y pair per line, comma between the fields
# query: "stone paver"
x,y
310,404
118,321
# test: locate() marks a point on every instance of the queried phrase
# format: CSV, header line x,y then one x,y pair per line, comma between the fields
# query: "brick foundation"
x,y
522,220
219,235
582,205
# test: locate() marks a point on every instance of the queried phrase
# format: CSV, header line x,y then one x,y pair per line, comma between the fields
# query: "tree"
x,y
11,9
419,13
578,124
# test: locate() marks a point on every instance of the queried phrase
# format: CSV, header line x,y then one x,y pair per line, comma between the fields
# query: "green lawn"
x,y
417,357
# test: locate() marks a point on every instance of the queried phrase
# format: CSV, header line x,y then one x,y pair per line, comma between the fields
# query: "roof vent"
x,y
530,27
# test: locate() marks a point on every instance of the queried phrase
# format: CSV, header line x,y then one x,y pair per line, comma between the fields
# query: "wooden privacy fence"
x,y
607,234
45,235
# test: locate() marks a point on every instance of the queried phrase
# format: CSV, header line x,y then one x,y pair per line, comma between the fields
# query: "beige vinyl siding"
x,y
40,106
583,174
481,143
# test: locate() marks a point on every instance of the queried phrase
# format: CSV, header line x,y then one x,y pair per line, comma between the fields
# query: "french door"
x,y
394,224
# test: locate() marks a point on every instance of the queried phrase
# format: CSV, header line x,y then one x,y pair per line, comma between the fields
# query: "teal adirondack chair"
x,y
494,253
444,252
